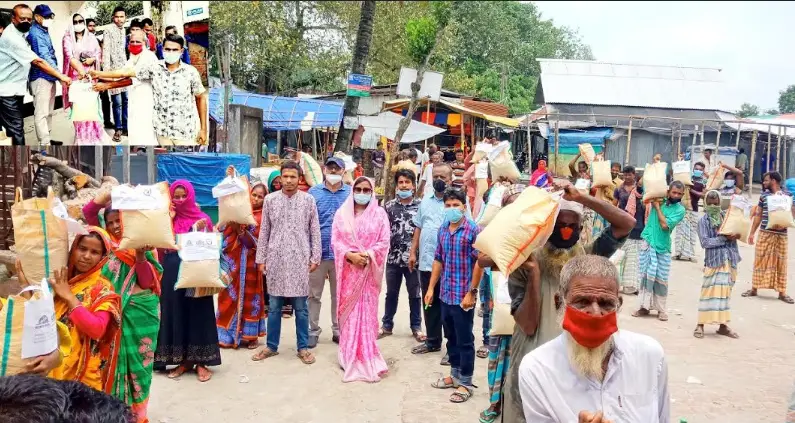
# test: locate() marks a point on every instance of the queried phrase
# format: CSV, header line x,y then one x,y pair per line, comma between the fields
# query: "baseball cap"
x,y
337,161
44,11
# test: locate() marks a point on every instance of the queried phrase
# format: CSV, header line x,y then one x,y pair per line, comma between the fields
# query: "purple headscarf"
x,y
187,212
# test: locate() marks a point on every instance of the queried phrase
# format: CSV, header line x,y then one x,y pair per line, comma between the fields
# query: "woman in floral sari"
x,y
360,240
86,304
135,276
81,53
241,306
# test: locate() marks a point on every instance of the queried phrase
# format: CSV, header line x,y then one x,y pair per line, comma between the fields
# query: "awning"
x,y
400,103
281,113
761,124
386,124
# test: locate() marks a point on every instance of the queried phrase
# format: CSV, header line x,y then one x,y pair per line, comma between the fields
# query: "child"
x,y
455,264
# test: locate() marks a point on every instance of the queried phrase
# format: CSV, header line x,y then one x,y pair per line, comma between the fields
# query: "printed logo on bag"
x,y
140,197
43,320
199,246
230,185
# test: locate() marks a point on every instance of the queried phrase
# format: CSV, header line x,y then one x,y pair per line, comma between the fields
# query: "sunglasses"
x,y
79,22
362,191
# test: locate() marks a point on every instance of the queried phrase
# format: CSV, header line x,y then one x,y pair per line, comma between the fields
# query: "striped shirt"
x,y
328,203
41,44
458,256
763,207
717,249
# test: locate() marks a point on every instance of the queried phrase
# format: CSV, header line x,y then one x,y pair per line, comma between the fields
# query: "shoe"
x,y
335,339
312,343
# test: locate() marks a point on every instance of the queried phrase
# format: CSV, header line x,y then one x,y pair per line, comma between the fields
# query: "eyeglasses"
x,y
79,22
362,191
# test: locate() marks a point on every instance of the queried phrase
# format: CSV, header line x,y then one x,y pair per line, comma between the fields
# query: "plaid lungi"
x,y
770,262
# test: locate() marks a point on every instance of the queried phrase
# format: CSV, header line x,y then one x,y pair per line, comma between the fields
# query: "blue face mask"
x,y
698,173
453,214
729,183
362,199
404,194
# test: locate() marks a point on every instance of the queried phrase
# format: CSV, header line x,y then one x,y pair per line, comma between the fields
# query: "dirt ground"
x,y
61,130
738,381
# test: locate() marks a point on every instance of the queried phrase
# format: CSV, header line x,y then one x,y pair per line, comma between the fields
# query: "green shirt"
x,y
654,234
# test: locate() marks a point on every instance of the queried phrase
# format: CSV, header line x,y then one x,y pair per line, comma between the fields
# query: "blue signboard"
x,y
359,85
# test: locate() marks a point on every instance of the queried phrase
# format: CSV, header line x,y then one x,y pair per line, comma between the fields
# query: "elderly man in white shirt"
x,y
592,372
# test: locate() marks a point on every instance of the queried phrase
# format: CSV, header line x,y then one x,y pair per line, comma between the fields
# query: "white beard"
x,y
588,362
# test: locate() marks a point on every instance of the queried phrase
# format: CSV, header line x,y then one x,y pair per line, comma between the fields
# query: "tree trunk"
x,y
61,167
360,53
158,18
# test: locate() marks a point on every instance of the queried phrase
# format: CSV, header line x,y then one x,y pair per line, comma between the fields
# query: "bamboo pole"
x,y
751,164
427,118
679,142
529,149
463,138
778,150
769,144
717,141
785,171
629,142
737,142
674,156
702,136
557,144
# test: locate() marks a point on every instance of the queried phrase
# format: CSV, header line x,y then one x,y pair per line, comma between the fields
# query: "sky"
x,y
749,41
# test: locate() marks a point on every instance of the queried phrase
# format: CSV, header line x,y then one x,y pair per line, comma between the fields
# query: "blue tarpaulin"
x,y
570,139
280,113
203,170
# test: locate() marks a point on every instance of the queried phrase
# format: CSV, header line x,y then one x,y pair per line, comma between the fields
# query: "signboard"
x,y
431,84
194,11
350,122
359,85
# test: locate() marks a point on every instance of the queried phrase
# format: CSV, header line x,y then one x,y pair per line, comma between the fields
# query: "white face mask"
x,y
47,22
80,27
334,179
172,57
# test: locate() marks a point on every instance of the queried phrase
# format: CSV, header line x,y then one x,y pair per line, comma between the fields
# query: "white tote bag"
x,y
39,330
502,322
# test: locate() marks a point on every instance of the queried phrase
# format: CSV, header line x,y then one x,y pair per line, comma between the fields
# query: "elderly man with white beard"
x,y
592,372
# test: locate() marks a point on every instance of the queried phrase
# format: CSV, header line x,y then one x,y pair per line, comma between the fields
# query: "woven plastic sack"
x,y
41,239
587,152
501,163
738,219
654,185
600,173
234,201
681,171
779,211
201,261
493,205
141,227
482,150
502,323
715,180
313,175
519,229
86,106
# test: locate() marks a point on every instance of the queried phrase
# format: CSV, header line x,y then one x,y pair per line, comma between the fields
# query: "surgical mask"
x,y
172,57
333,179
439,185
46,23
404,193
362,199
729,183
80,27
589,330
453,214
565,237
22,27
698,173
674,200
136,49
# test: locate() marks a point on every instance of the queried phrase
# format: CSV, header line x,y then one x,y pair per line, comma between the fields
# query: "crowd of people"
x,y
139,79
120,318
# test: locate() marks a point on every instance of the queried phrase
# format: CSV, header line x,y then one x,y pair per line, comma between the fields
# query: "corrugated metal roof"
x,y
495,109
614,84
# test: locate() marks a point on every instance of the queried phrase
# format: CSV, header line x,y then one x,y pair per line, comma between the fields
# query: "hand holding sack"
x,y
654,184
482,150
588,153
779,211
313,174
682,172
145,216
502,322
738,219
501,163
234,202
519,229
40,237
201,261
27,328
493,206
715,180
600,173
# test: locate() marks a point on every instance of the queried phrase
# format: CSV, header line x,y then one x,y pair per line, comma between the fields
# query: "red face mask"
x,y
136,48
588,330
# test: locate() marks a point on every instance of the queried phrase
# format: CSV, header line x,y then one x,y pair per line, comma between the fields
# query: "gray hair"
x,y
677,184
588,266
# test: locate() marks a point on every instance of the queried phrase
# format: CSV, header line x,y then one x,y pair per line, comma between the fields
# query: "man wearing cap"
x,y
42,85
16,58
329,196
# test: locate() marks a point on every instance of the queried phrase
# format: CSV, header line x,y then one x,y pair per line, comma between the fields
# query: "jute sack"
x,y
405,164
313,175
600,172
504,166
654,185
738,219
502,322
234,207
492,206
519,229
715,180
41,239
779,211
150,226
12,320
587,152
201,261
681,171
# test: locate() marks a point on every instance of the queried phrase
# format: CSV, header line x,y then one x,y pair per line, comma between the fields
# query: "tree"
x,y
747,109
786,100
361,50
105,10
770,112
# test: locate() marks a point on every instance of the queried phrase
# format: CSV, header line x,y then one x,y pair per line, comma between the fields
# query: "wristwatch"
x,y
474,291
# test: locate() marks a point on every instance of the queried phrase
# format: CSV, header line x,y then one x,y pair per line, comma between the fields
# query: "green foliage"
x,y
747,109
421,36
105,10
771,112
786,100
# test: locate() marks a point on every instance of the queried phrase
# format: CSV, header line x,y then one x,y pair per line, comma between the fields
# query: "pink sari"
x,y
358,289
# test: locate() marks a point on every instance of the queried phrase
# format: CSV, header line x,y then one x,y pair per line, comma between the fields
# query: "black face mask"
x,y
674,200
23,26
439,185
558,242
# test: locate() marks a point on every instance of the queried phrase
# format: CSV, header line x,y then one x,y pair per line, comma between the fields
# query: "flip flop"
x,y
178,371
263,354
423,349
749,293
419,336
483,351
383,333
306,357
787,299
663,317
641,313
728,333
442,383
458,397
698,333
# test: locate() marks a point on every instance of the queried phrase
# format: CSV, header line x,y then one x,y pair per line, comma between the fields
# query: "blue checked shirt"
x,y
327,205
429,218
41,44
458,257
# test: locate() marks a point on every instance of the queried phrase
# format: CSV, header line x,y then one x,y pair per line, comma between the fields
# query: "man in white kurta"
x,y
566,381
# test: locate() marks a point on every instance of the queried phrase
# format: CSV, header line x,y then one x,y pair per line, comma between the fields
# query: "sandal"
x,y
252,345
641,313
483,351
383,333
662,316
442,383
418,335
698,333
725,331
445,360
786,298
423,349
488,416
458,397
749,293
306,356
263,354
117,136
203,374
179,371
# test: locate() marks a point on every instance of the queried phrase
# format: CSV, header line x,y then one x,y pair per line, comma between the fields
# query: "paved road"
x,y
743,380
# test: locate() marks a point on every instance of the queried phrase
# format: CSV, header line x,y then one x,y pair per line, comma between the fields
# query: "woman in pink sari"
x,y
81,53
360,240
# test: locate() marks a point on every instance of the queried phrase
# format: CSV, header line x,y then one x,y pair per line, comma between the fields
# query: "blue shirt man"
x,y
40,42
